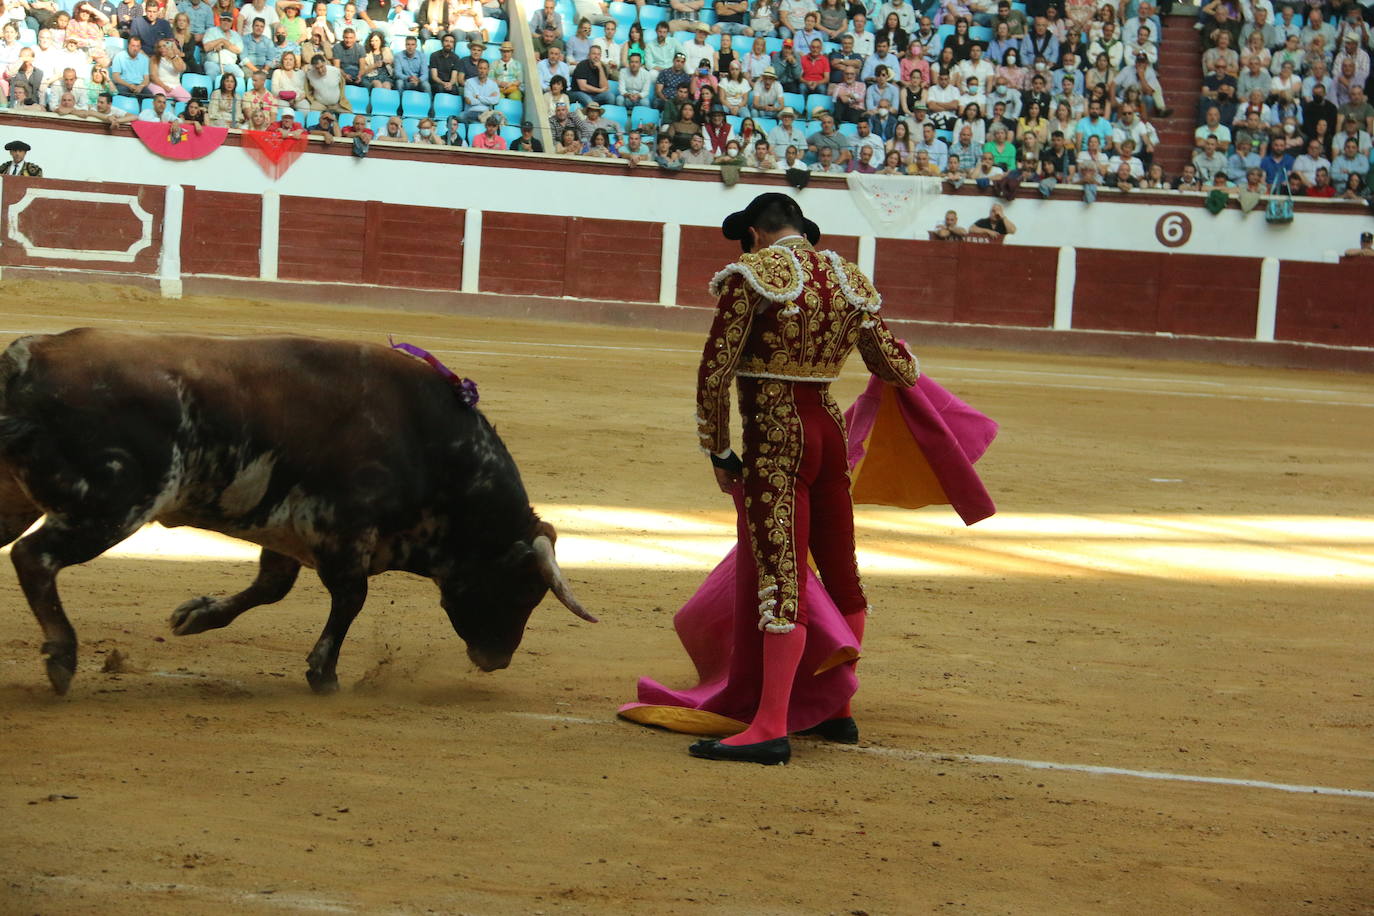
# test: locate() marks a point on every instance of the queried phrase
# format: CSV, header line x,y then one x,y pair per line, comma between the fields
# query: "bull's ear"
x,y
544,528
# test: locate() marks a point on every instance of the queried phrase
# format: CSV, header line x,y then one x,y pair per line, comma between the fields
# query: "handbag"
x,y
1279,209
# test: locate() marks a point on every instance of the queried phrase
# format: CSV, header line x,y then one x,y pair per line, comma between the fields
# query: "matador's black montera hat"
x,y
736,225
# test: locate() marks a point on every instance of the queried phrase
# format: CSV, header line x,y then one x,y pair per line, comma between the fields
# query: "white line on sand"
x,y
1035,764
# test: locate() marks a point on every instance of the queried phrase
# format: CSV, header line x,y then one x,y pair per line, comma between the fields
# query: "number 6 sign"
x,y
1173,229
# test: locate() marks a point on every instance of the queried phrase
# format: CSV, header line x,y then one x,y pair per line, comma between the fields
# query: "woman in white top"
x,y
165,69
734,90
1093,158
223,110
427,133
1287,85
757,60
289,77
972,118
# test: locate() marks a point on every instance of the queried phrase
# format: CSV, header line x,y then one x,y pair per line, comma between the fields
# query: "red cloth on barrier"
x,y
272,151
179,140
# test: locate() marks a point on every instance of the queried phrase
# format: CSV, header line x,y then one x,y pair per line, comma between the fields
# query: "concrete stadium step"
x,y
1180,75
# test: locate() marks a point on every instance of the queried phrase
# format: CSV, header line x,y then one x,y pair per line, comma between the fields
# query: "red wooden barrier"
x,y
1011,285
221,233
523,254
1326,303
614,260
343,241
414,247
76,224
1145,292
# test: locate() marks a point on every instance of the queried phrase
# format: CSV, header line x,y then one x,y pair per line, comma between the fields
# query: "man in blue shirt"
x,y
259,53
129,70
1094,125
201,16
1278,164
1241,161
410,67
150,28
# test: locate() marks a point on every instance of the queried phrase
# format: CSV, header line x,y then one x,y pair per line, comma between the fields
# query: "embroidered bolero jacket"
x,y
792,313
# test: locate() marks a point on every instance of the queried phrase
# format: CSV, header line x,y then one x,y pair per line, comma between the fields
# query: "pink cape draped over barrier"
x,y
156,135
908,447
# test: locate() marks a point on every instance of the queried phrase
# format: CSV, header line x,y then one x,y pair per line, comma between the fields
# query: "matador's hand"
x,y
729,471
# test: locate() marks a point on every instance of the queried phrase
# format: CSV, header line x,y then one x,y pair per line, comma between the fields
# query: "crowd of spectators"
x,y
1284,103
984,91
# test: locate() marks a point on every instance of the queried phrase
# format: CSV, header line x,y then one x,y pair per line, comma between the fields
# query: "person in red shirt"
x,y
1322,187
815,68
491,137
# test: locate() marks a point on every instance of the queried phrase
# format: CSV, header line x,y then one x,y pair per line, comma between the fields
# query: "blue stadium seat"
x,y
848,129
734,121
357,97
511,134
765,124
773,45
446,104
511,110
146,105
707,16
112,45
499,31
430,46
190,81
651,16
624,14
980,33
796,101
385,102
312,119
415,104
124,103
619,115
945,135
818,100
378,124
942,33
643,114
411,125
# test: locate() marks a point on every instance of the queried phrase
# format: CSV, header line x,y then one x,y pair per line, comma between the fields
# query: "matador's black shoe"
x,y
768,753
837,731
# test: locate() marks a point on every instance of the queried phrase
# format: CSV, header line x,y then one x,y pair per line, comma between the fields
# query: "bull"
x,y
351,459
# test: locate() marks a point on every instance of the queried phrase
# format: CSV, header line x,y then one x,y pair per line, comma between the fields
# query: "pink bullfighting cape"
x,y
910,448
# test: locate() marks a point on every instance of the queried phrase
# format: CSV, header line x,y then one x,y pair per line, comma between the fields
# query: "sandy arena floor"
x,y
1178,582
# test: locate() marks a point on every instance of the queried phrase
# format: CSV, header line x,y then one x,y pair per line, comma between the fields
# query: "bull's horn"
x,y
553,577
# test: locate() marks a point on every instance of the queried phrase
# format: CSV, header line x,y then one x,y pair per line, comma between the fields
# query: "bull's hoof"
x,y
193,617
60,661
322,684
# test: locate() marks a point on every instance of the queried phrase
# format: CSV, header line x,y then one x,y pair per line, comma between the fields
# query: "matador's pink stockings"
x,y
782,653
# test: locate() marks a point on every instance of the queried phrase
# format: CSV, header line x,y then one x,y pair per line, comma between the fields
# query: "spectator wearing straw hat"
x,y
787,133
509,73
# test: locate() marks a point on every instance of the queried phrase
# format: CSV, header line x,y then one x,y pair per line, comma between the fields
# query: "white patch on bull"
x,y
249,486
18,355
81,488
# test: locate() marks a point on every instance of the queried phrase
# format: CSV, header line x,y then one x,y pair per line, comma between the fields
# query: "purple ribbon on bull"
x,y
466,387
